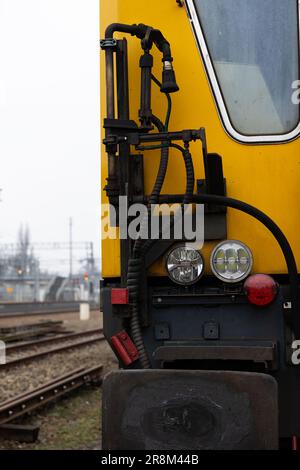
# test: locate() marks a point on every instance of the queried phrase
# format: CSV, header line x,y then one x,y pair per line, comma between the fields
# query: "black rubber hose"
x,y
133,282
190,174
140,30
161,175
133,29
169,99
190,183
272,227
136,263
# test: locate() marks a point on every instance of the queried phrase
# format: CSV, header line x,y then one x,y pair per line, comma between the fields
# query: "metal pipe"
x,y
110,111
189,135
122,28
110,84
112,179
122,80
145,113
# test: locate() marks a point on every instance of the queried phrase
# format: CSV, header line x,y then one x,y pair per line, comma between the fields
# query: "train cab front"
x,y
200,290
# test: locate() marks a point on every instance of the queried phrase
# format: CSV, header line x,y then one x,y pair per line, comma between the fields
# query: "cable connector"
x,y
169,84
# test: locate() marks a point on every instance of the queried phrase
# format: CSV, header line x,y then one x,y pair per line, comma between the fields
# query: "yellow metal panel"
x,y
266,176
110,248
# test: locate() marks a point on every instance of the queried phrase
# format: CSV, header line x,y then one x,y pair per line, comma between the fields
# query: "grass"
x,y
73,423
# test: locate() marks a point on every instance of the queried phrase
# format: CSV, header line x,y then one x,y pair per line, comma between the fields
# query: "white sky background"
x,y
49,119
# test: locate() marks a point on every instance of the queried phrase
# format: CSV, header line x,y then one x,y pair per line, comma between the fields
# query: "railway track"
x,y
41,313
42,354
26,352
29,309
28,402
15,348
12,409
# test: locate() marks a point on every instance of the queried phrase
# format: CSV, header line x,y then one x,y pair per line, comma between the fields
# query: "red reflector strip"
x,y
125,348
119,296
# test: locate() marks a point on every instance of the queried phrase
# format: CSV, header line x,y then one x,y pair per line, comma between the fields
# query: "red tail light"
x,y
260,289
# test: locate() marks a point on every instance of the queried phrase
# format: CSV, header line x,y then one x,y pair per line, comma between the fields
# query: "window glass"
x,y
254,49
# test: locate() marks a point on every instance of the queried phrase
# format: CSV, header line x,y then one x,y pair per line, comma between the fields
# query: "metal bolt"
x,y
159,300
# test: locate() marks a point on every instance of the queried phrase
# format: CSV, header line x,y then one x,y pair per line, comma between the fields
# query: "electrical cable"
x,y
136,262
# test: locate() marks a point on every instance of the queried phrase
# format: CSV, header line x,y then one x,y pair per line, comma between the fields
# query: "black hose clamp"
x,y
110,43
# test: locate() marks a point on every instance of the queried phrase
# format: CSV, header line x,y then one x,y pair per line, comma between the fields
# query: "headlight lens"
x,y
184,265
231,261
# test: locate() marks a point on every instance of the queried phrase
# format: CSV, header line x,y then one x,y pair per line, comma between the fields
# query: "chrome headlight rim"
x,y
244,275
187,246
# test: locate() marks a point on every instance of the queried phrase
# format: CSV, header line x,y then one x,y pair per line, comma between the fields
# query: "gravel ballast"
x,y
73,422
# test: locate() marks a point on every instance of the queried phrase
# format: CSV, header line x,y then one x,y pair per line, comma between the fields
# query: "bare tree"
x,y
24,258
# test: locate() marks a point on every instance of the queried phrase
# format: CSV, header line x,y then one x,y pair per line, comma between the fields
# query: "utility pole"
x,y
92,259
71,247
36,281
91,286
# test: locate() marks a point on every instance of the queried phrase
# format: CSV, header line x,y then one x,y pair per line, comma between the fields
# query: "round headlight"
x,y
231,261
184,265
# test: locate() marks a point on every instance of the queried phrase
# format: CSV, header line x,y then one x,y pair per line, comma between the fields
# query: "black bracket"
x,y
215,227
214,178
108,43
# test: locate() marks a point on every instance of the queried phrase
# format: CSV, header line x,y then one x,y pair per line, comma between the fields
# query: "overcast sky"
x,y
49,118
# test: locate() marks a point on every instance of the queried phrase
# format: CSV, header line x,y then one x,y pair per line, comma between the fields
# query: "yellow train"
x,y
200,105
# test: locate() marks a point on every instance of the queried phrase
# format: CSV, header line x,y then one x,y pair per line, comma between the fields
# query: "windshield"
x,y
254,49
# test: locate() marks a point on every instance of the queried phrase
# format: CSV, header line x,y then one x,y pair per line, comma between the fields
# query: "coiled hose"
x,y
141,247
190,183
161,175
133,284
136,262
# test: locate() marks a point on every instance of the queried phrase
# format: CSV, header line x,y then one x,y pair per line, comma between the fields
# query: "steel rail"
x,y
33,357
41,387
51,391
57,338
